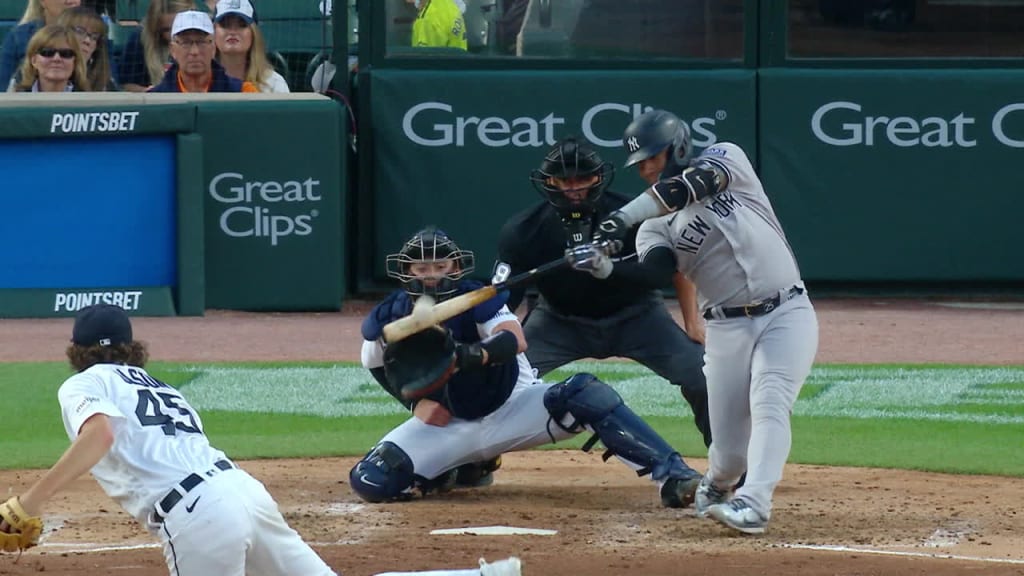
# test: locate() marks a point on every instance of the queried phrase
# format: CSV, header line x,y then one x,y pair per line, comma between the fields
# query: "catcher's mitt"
x,y
420,364
24,530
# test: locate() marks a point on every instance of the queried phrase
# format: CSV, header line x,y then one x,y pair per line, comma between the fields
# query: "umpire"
x,y
591,313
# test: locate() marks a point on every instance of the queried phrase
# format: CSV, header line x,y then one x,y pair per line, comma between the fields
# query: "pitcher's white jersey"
x,y
730,244
158,437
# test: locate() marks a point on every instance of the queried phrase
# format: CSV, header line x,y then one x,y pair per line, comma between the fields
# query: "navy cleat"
x,y
680,486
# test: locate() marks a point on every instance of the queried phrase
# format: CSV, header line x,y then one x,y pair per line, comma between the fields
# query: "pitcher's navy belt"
x,y
163,508
759,308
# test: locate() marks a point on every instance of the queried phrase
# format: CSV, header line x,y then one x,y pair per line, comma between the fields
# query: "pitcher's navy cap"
x,y
103,324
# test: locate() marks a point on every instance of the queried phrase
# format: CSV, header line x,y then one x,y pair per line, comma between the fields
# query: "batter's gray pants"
x,y
644,332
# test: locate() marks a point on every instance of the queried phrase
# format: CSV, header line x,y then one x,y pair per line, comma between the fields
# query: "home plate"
x,y
495,531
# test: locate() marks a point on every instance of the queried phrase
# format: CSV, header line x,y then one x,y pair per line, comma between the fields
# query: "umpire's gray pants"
x,y
644,332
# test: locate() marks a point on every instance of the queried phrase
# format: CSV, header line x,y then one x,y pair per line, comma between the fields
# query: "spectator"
x,y
38,13
509,24
194,68
241,49
147,51
439,24
54,62
91,31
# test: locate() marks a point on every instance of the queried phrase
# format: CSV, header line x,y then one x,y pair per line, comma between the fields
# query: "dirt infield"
x,y
827,521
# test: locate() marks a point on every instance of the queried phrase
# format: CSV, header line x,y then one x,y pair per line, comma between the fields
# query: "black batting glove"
x,y
613,228
469,356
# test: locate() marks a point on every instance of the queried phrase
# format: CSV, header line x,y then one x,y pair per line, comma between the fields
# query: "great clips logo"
x,y
269,210
849,124
437,124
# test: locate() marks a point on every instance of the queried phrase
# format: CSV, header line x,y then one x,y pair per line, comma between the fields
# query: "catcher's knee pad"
x,y
593,404
384,474
583,397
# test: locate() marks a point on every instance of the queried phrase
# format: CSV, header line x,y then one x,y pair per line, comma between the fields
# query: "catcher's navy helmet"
x,y
429,245
571,158
653,132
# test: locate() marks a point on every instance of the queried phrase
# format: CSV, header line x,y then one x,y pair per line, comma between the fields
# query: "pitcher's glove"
x,y
18,530
420,364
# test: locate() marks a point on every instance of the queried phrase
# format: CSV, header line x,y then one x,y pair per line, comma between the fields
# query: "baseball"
x,y
421,310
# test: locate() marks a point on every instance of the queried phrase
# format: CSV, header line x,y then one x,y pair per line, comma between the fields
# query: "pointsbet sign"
x,y
90,122
73,301
845,123
268,210
436,124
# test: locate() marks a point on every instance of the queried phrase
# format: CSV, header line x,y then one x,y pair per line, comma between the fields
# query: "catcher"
x,y
473,394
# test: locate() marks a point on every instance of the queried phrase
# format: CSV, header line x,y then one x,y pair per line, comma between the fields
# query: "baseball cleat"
x,y
738,515
477,474
678,492
507,567
707,496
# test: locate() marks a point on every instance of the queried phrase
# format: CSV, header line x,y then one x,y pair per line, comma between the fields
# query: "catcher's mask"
x,y
571,160
652,133
430,263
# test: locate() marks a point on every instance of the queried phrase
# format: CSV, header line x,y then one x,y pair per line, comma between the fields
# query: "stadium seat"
x,y
10,13
288,9
480,16
306,36
548,27
131,10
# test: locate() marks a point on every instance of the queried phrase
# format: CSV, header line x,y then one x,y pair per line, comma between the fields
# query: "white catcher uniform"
x,y
520,423
213,518
732,247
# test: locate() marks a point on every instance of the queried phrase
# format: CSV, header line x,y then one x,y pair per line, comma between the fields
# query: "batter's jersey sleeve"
x,y
81,397
652,234
734,162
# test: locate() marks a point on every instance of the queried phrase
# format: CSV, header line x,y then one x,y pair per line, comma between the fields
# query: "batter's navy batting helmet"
x,y
430,245
568,159
653,132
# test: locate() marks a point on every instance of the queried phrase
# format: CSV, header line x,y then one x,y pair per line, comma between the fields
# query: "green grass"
x,y
937,418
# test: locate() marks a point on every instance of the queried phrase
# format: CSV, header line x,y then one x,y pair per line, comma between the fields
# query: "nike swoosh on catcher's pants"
x,y
189,509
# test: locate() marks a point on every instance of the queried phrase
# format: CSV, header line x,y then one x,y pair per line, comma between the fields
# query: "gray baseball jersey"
x,y
731,244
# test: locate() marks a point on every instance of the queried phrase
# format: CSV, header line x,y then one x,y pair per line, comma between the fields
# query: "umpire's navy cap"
x,y
103,324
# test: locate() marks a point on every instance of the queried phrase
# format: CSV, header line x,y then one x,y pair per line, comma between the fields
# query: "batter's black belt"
x,y
163,508
759,308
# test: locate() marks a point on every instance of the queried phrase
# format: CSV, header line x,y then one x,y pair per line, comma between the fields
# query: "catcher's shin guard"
x,y
584,401
386,473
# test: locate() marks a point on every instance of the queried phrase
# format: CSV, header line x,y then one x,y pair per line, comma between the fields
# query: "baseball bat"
x,y
418,321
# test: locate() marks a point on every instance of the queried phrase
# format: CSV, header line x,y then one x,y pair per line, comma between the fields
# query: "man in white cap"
x,y
194,68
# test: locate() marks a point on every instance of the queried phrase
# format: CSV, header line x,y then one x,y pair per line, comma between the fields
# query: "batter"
x,y
762,331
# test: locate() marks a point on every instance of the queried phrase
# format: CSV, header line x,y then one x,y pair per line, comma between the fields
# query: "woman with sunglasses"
x,y
38,13
147,52
53,63
91,31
